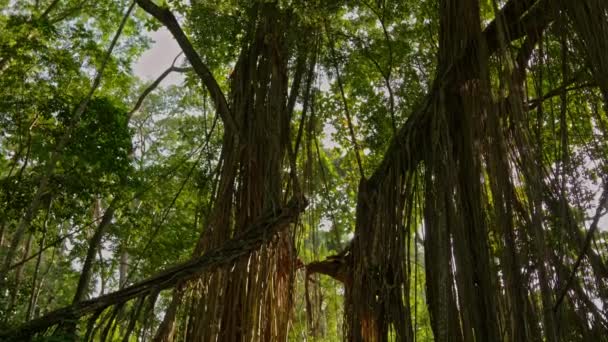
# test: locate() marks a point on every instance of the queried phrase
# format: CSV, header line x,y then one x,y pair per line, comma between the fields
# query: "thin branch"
x,y
387,75
165,213
155,84
49,9
532,104
596,219
349,121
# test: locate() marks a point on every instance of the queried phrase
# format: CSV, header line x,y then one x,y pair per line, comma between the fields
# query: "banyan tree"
x,y
396,170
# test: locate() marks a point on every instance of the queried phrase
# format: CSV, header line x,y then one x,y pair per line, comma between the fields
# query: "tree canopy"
x,y
360,170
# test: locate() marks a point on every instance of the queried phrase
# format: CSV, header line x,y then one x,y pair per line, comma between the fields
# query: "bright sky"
x,y
160,56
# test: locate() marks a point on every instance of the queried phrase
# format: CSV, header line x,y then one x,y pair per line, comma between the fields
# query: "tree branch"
x,y
519,18
167,18
260,232
335,266
532,104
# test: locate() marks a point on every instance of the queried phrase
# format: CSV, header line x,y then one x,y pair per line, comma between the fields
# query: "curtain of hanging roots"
x,y
250,301
375,303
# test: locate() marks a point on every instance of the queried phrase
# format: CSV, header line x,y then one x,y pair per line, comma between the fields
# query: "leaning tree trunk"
x,y
376,306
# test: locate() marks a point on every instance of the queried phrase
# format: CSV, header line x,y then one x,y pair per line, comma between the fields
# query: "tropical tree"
x,y
366,171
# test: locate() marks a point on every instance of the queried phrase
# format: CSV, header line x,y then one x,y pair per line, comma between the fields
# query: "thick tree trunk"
x,y
374,304
252,176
